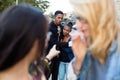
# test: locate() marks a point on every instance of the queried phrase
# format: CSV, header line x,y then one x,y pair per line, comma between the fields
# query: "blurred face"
x,y
83,26
66,30
58,19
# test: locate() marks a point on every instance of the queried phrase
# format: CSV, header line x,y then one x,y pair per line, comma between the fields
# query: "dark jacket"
x,y
55,37
66,54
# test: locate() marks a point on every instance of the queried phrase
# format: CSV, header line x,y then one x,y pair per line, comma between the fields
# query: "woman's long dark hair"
x,y
20,27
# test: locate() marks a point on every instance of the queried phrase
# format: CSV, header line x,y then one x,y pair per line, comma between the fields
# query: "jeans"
x,y
63,69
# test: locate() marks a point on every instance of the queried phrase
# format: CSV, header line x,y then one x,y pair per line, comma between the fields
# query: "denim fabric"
x,y
92,69
63,69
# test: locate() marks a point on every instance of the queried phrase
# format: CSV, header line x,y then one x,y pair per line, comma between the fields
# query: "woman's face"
x,y
66,30
83,26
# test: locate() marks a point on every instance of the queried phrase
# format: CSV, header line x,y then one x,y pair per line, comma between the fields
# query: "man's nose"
x,y
60,19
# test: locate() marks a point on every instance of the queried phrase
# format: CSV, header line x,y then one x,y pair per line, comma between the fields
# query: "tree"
x,y
43,4
4,4
51,15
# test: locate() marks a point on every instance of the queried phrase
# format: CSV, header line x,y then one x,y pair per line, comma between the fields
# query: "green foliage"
x,y
43,4
68,20
51,15
4,4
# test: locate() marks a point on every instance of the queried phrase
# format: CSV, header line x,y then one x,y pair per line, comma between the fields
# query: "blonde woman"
x,y
98,56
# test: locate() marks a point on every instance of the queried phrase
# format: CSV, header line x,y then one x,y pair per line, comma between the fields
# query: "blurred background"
x,y
50,6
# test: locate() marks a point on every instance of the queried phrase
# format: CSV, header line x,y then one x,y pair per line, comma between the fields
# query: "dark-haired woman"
x,y
22,39
66,54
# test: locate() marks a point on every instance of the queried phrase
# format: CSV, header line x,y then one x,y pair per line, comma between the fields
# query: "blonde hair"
x,y
101,18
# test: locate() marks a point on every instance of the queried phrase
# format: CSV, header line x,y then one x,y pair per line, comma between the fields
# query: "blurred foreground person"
x,y
96,42
22,39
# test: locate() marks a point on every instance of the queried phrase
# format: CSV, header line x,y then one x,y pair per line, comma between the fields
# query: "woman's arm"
x,y
79,49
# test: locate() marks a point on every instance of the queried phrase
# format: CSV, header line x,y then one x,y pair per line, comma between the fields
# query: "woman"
x,y
66,54
22,39
98,56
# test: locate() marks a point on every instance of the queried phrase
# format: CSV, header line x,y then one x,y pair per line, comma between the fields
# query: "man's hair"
x,y
58,12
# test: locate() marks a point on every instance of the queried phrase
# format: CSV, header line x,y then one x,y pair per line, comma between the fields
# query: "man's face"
x,y
58,19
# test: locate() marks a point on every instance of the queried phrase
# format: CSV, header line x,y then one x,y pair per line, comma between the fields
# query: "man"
x,y
56,30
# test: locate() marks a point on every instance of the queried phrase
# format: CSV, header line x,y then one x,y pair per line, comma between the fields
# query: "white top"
x,y
71,75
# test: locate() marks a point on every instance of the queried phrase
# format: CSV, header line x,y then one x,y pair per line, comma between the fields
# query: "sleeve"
x,y
54,39
85,65
71,75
